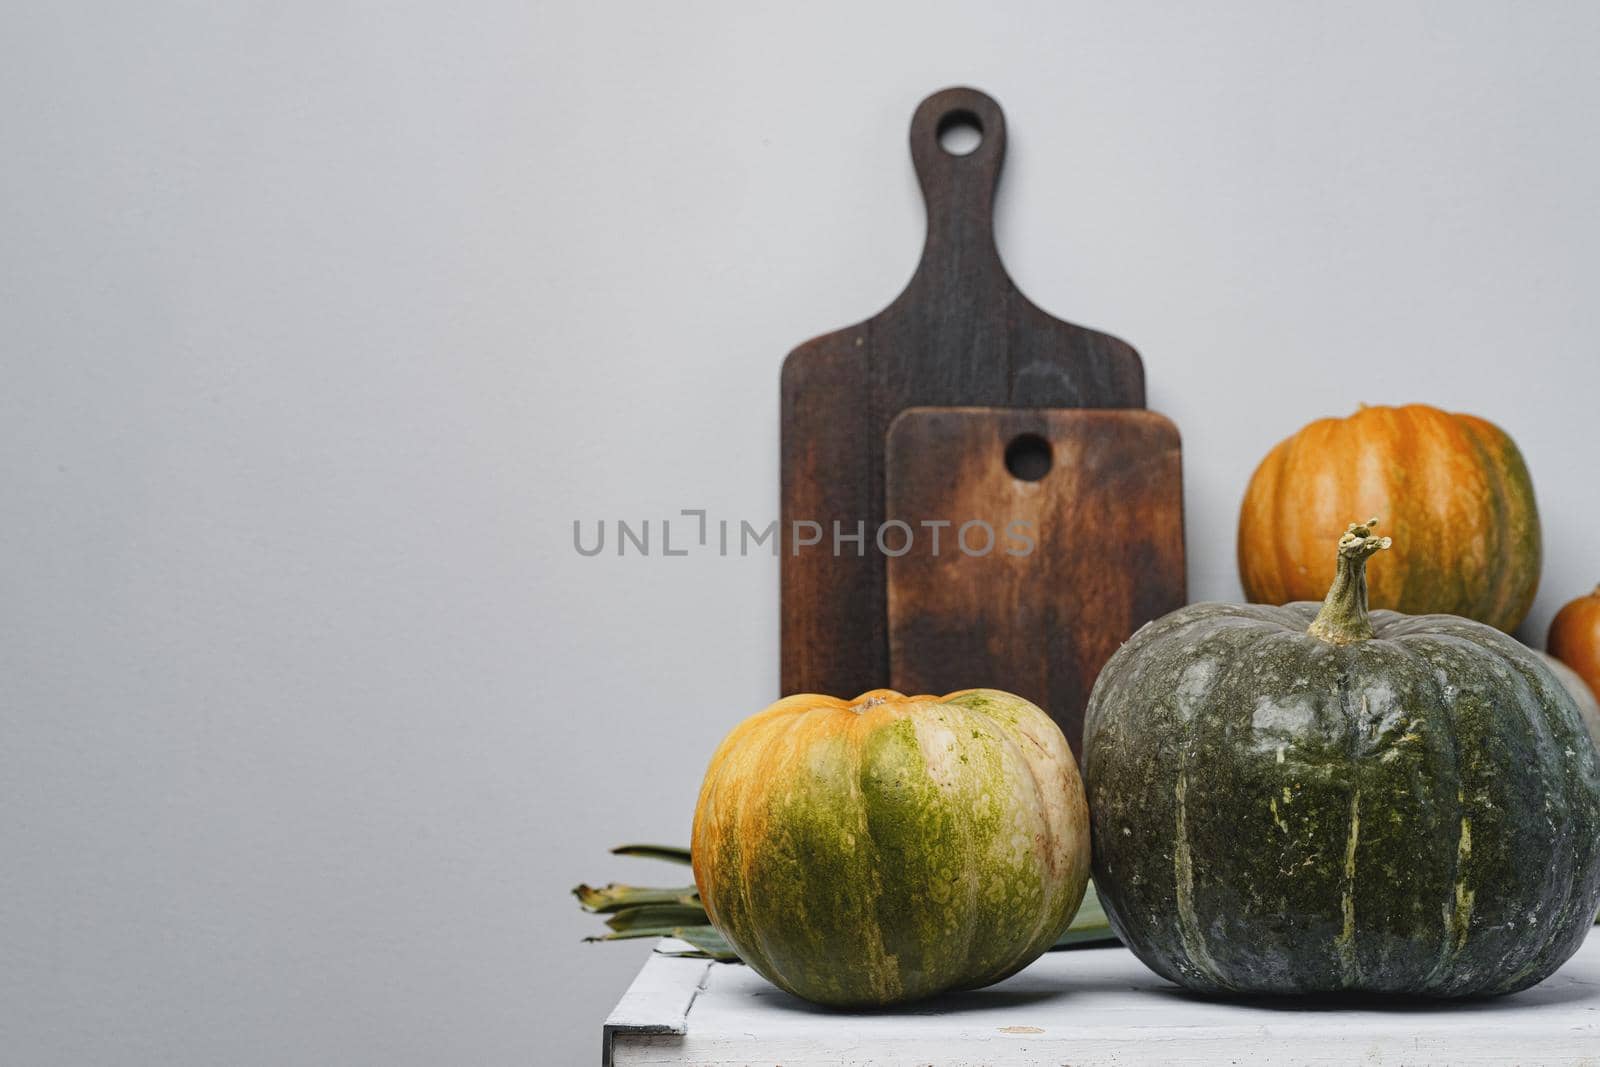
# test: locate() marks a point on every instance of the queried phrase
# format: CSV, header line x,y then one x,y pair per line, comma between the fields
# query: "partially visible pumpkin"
x,y
1582,695
1315,798
1460,505
1575,637
878,850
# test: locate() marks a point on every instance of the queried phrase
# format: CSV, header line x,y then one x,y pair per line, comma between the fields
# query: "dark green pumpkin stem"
x,y
1343,619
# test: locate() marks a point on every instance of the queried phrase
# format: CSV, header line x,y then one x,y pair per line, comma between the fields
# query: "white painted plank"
x,y
659,999
1101,1006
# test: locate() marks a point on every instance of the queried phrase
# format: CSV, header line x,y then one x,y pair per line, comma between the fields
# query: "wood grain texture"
x,y
1107,522
960,334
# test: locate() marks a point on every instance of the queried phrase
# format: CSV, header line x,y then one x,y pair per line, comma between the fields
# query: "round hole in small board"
x,y
1028,457
960,133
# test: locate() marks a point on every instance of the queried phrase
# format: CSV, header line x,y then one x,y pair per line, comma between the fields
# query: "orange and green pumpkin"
x,y
882,849
1460,500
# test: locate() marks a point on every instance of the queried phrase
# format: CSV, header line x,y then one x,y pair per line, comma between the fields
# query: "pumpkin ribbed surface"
x,y
888,848
1582,695
1455,493
1405,804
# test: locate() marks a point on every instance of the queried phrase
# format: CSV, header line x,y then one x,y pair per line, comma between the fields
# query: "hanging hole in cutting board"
x,y
1028,457
960,133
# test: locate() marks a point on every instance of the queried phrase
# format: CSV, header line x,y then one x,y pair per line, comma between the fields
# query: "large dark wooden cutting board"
x,y
1100,496
960,334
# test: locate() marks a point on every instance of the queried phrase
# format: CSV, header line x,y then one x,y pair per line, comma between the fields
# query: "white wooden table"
x,y
1086,1007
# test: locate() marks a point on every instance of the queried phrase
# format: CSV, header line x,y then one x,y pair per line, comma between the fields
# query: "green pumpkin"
x,y
1582,695
1295,800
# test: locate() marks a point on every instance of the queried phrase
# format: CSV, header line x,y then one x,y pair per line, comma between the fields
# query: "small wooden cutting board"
x,y
1085,508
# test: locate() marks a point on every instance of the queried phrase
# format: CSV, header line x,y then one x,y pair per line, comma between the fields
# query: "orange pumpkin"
x,y
1465,524
1575,638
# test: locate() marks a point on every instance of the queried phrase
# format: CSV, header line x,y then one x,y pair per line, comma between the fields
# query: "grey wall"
x,y
322,322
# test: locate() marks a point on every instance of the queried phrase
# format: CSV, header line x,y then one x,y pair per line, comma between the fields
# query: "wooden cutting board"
x,y
1086,514
961,334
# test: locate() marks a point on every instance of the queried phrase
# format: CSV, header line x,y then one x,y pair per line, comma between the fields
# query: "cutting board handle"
x,y
959,189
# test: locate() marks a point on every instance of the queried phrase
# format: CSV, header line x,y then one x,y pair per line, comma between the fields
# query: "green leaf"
x,y
696,954
615,896
629,935
668,915
654,852
705,939
662,930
